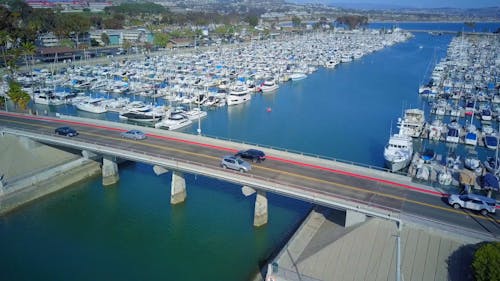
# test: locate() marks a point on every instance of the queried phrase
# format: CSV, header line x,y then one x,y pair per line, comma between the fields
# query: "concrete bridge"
x,y
358,190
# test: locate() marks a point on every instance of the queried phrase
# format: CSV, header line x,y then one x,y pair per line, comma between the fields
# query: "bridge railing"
x,y
368,166
130,153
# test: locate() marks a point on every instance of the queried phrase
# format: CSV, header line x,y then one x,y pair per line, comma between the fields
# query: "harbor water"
x,y
131,232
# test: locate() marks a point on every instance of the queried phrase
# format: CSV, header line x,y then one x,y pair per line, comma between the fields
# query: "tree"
x,y
161,39
28,49
486,262
4,40
253,20
353,21
296,21
79,24
17,95
105,38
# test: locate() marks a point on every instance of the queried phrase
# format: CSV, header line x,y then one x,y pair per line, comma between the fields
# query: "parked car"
x,y
253,155
235,163
66,131
474,202
134,134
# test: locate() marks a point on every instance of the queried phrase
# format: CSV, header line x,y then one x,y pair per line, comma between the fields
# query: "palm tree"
x,y
4,39
17,95
28,49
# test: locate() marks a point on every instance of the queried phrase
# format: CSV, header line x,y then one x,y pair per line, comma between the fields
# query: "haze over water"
x,y
131,232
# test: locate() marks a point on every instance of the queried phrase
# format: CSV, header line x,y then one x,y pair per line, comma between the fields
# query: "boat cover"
x,y
467,177
490,182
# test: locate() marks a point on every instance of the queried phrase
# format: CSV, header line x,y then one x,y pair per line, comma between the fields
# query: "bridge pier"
x,y
109,171
353,217
89,155
260,211
159,170
178,189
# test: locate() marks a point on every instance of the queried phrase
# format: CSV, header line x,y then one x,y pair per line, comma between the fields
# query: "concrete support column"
x,y
109,171
260,211
89,155
178,191
353,217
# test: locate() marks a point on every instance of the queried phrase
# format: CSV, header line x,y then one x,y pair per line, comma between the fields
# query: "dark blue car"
x,y
66,131
253,155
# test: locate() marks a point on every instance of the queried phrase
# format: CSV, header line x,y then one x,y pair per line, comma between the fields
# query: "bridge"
x,y
358,190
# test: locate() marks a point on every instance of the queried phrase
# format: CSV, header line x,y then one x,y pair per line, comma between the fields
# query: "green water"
x,y
131,232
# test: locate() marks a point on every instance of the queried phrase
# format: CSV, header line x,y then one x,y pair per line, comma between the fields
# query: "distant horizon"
x,y
422,4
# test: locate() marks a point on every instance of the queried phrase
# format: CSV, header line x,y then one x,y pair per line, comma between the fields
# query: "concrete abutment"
x,y
109,171
260,212
178,189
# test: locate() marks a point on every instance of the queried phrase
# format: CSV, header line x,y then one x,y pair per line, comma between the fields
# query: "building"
x,y
118,36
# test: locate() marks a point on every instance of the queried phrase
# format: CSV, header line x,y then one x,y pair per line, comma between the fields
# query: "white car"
x,y
134,134
474,202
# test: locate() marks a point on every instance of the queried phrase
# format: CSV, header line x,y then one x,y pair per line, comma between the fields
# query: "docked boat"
x,y
238,94
47,98
413,122
296,76
398,152
436,129
472,162
428,155
471,135
149,116
268,86
454,130
492,165
92,105
174,122
491,141
195,114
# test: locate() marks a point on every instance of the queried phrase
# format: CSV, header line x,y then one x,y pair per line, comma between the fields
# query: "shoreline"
x,y
67,175
37,171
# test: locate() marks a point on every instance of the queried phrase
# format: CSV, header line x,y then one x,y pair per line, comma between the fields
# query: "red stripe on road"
x,y
297,163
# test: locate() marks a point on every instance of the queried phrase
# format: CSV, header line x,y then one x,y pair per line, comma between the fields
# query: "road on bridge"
x,y
309,176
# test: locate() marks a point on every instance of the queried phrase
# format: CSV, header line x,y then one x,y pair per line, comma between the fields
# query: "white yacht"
x,y
46,99
92,105
268,86
173,122
398,152
436,129
296,76
413,123
238,94
195,113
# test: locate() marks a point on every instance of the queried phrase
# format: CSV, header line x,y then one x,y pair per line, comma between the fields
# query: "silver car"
x,y
235,163
474,202
134,134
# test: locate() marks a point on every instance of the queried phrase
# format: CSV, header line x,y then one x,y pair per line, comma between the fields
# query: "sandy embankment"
x,y
31,170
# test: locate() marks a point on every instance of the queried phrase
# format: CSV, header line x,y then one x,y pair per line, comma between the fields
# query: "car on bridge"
x,y
134,134
254,155
66,131
235,163
474,202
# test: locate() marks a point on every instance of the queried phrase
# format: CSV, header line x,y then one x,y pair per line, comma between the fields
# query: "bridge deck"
x,y
321,181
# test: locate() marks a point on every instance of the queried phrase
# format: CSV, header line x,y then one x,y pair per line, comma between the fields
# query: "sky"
x,y
416,4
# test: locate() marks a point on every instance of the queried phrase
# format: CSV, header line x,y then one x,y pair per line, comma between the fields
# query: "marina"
x,y
344,129
462,93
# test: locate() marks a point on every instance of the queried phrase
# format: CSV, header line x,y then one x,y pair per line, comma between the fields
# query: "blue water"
x,y
131,232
